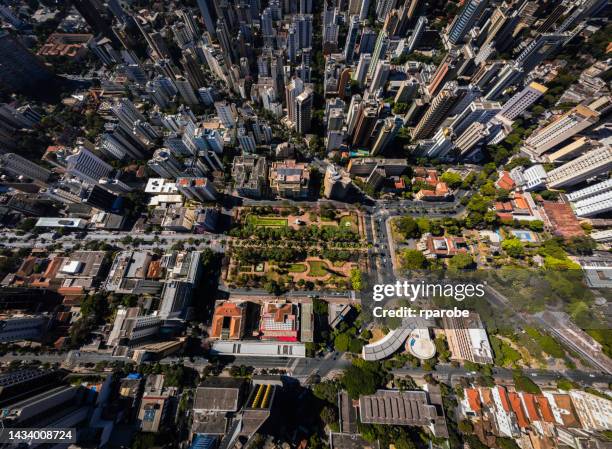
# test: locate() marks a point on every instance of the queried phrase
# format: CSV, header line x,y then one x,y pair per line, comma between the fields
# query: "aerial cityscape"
x,y
313,224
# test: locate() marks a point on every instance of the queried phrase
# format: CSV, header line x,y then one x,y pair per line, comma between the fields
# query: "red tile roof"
x,y
473,399
517,408
562,219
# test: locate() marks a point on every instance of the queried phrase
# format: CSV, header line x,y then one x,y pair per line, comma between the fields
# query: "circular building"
x,y
420,344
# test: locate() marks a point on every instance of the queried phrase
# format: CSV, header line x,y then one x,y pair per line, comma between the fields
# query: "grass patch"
x,y
548,344
348,222
297,268
269,222
317,268
338,263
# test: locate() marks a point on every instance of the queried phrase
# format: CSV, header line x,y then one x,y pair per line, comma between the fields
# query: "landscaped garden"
x,y
318,268
273,222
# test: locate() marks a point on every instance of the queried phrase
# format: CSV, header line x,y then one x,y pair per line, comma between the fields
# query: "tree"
x,y
409,227
341,342
356,279
355,346
524,383
461,261
452,179
329,415
362,378
411,259
326,391
466,426
581,246
506,443
514,248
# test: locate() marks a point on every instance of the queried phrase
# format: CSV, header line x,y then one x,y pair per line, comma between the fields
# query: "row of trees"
x,y
305,234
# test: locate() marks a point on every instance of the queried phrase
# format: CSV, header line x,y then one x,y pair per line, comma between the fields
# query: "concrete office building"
x,y
19,166
594,205
467,339
250,174
531,178
18,327
87,166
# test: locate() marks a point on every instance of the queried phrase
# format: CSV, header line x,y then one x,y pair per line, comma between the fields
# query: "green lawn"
x,y
297,268
348,221
318,268
273,222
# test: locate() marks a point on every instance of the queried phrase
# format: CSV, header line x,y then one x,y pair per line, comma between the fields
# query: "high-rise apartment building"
x,y
465,20
165,164
365,60
480,111
303,111
380,48
351,39
539,49
593,163
437,111
522,100
387,133
560,129
293,89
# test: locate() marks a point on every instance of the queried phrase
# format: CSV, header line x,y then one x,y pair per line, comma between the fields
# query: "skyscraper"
x,y
351,39
380,76
465,20
293,89
418,31
303,27
365,60
207,16
93,13
303,111
366,119
165,164
436,112
509,75
382,42
387,133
